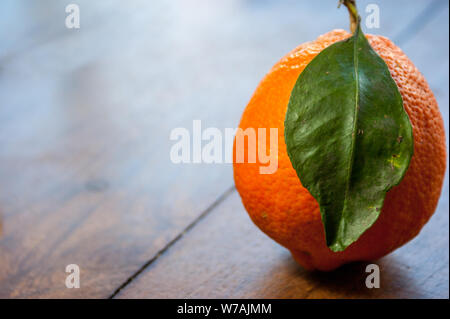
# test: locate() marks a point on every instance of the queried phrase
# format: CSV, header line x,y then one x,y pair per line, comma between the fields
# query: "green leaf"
x,y
348,136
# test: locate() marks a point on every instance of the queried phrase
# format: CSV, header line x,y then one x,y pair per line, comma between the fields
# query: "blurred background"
x,y
85,118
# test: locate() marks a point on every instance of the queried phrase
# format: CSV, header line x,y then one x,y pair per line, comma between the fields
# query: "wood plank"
x,y
21,20
27,24
226,256
85,123
429,50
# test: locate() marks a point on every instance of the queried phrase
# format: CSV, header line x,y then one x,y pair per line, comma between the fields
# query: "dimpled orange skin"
x,y
283,209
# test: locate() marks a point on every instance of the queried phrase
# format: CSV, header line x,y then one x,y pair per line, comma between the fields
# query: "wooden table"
x,y
85,174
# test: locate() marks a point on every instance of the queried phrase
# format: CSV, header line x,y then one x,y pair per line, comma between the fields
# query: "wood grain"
x,y
226,256
85,118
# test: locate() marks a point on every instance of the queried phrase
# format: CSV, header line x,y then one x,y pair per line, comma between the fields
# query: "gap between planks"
x,y
210,208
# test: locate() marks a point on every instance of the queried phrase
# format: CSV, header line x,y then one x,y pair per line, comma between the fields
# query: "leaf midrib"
x,y
355,118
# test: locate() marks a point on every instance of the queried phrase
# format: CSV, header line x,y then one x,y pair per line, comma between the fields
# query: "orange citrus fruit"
x,y
283,209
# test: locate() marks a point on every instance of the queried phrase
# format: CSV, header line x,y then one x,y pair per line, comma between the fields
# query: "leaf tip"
x,y
337,247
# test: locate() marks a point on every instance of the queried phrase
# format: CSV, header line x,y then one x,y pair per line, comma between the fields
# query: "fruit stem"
x,y
354,16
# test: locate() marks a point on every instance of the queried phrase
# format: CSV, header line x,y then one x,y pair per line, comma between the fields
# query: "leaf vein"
x,y
355,119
